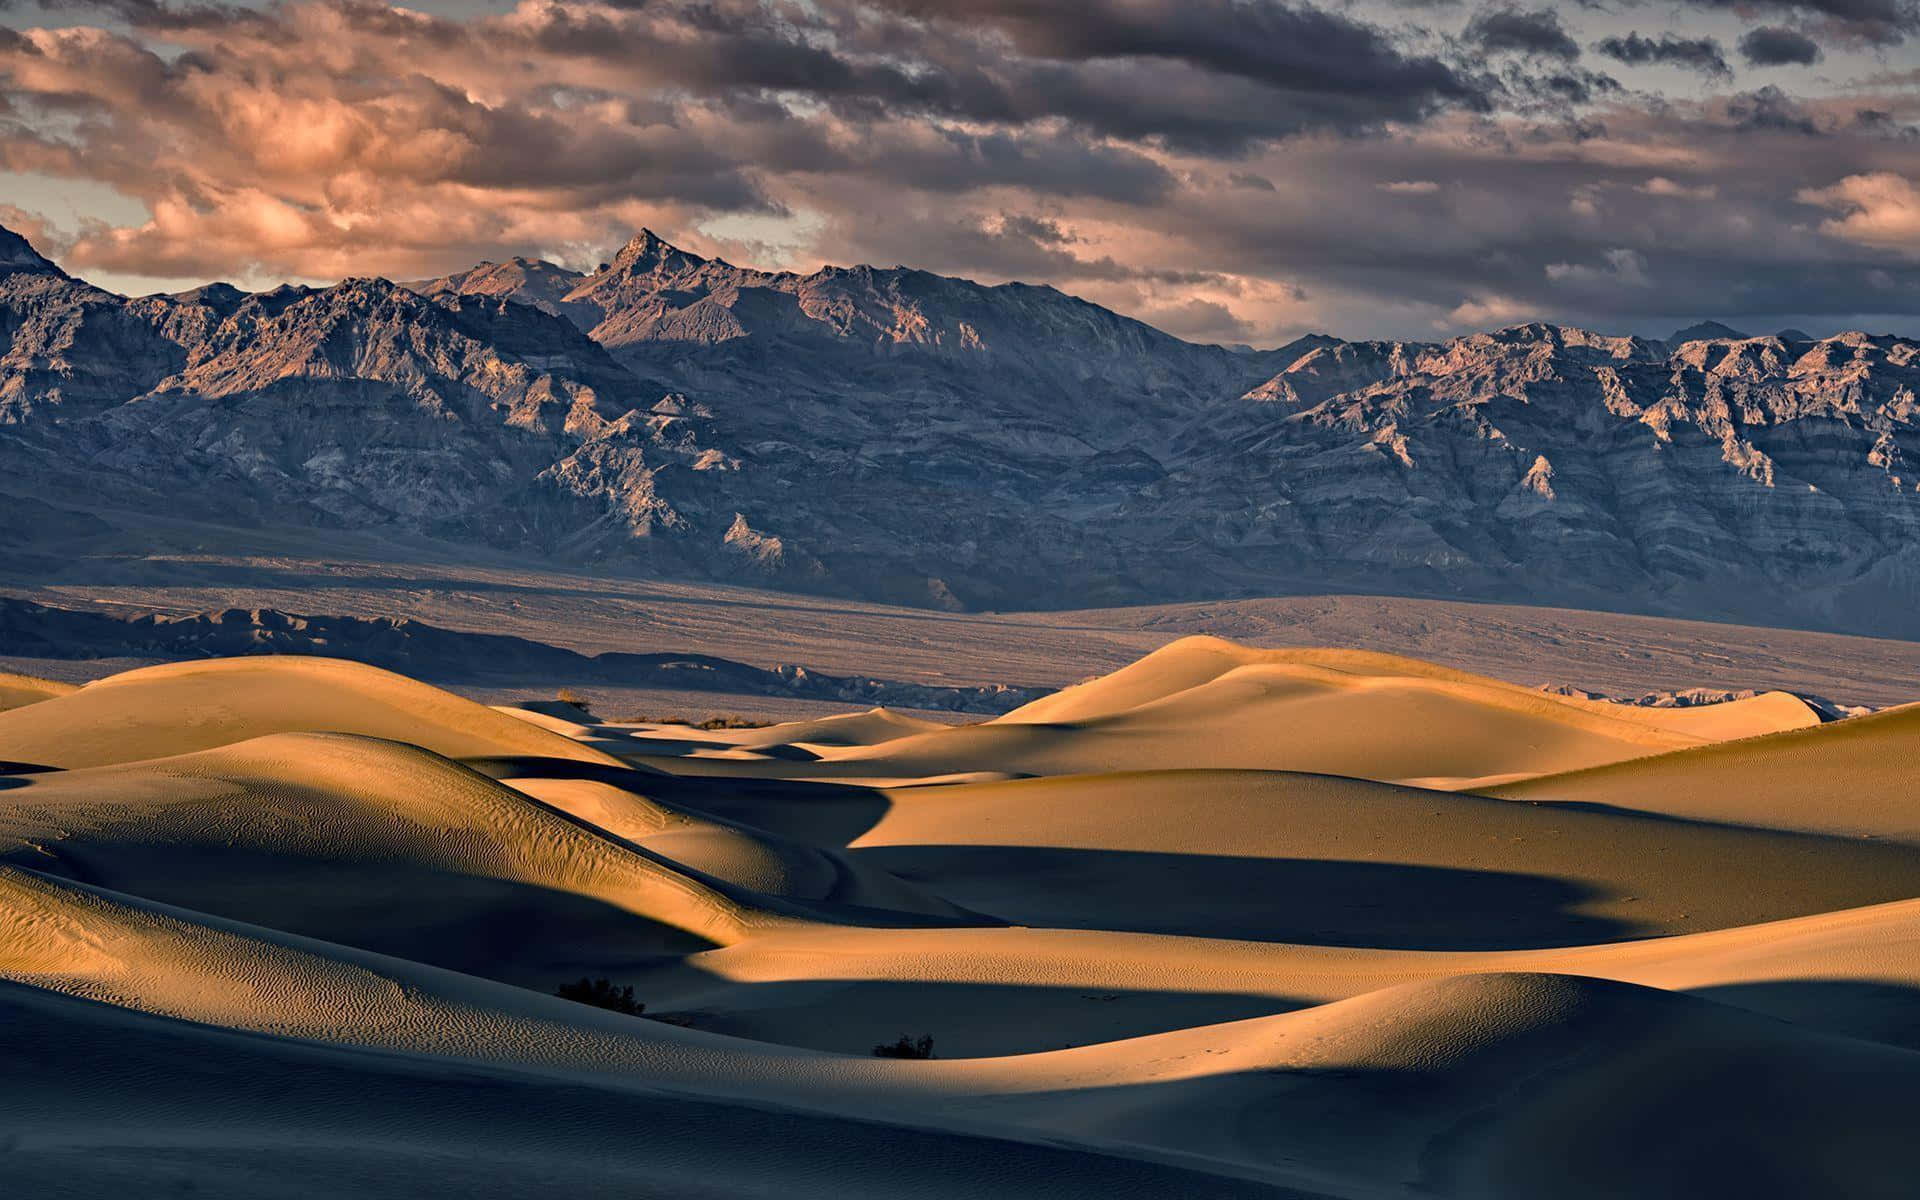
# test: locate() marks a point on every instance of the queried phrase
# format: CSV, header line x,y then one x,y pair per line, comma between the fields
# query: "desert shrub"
x,y
724,721
730,721
569,696
906,1047
601,994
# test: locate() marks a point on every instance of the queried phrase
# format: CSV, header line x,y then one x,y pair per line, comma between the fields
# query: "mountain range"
x,y
896,435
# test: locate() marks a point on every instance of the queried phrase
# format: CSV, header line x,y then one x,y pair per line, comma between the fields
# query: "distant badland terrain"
x,y
893,435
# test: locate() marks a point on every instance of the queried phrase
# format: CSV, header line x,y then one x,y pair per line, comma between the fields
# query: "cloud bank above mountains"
x,y
1233,170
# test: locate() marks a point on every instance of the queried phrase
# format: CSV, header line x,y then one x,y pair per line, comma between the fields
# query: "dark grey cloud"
x,y
159,15
1558,89
1293,47
1696,54
1062,164
1773,110
1200,320
1208,74
1500,248
1522,31
1774,46
1877,22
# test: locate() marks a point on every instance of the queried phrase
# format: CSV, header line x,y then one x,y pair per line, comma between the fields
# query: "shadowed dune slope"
x,y
788,740
159,711
1855,778
1207,702
370,843
1304,858
744,857
151,1106
1495,1081
1005,991
1521,1086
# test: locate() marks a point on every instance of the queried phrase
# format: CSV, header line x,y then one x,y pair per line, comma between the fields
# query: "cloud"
x,y
1486,311
1622,265
45,237
1535,32
1200,320
1773,46
1660,185
1695,54
1872,22
1193,163
1295,47
1877,209
1772,110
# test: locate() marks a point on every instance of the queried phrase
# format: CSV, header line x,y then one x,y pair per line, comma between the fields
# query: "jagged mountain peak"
x,y
1564,337
17,256
648,253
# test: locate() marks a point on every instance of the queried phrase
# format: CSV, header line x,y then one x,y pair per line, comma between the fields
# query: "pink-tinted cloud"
x,y
1182,162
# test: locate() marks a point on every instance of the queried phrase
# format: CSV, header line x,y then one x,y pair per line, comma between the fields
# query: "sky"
x,y
1240,171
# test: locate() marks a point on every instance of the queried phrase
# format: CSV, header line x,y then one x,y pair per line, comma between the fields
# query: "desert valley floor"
x,y
1222,922
190,571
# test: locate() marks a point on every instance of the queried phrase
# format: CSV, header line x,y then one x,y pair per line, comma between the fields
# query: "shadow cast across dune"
x,y
533,766
10,773
816,820
1871,1010
827,815
513,931
966,1019
1324,902
219,1112
1725,1125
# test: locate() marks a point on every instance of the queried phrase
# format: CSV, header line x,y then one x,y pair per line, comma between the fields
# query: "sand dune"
x,y
1012,991
1428,1050
148,1105
1855,778
159,711
1194,661
18,691
294,927
370,843
869,728
1204,702
1319,859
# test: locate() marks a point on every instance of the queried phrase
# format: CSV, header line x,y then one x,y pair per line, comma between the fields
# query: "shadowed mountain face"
x,y
896,435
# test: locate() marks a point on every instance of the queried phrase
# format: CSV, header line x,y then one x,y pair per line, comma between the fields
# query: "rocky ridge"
x,y
896,435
